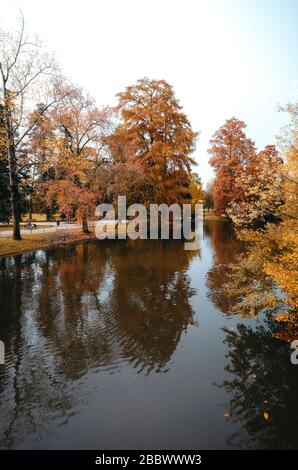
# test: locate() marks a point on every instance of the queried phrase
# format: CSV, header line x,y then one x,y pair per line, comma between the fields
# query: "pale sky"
x,y
224,58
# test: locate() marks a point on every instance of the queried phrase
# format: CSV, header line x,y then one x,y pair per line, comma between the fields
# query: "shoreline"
x,y
211,216
36,242
33,242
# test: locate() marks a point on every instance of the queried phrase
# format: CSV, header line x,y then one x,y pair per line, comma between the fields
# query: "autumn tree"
x,y
123,173
25,71
231,151
153,124
262,184
195,191
73,154
266,278
208,196
39,150
289,149
283,266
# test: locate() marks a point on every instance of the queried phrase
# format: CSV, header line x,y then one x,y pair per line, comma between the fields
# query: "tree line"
x,y
61,152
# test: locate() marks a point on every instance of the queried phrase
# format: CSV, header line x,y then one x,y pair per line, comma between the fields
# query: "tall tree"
x,y
25,70
208,196
39,151
4,193
153,123
230,151
195,191
75,157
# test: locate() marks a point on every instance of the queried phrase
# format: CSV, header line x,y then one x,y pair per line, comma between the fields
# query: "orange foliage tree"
x,y
266,278
230,152
75,155
262,184
159,134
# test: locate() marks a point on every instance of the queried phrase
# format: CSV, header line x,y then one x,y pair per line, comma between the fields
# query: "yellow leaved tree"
x,y
266,278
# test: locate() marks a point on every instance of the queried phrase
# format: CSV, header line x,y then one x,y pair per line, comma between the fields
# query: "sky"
x,y
223,58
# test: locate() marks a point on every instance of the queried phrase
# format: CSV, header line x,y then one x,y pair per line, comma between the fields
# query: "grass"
x,y
4,228
41,240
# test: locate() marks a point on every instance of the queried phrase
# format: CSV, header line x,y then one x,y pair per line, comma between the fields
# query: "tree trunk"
x,y
30,208
14,193
12,168
85,228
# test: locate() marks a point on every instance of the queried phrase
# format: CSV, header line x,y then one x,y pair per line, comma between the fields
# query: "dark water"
x,y
131,345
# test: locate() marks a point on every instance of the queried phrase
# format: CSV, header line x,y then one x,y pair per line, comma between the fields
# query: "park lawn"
x,y
41,240
4,228
28,243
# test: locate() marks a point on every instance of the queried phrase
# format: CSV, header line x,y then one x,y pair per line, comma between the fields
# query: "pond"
x,y
131,345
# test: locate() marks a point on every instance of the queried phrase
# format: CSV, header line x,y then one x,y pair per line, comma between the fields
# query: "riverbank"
x,y
35,241
42,240
6,227
211,216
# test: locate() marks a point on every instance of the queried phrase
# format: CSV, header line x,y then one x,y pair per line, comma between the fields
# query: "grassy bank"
x,y
31,242
4,228
42,240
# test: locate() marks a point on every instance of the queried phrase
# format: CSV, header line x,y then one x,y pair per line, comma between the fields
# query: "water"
x,y
131,344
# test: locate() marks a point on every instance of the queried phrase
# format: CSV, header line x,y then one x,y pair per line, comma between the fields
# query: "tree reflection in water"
x,y
263,381
226,249
95,329
70,310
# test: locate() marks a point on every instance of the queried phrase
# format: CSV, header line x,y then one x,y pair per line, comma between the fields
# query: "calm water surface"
x,y
131,345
